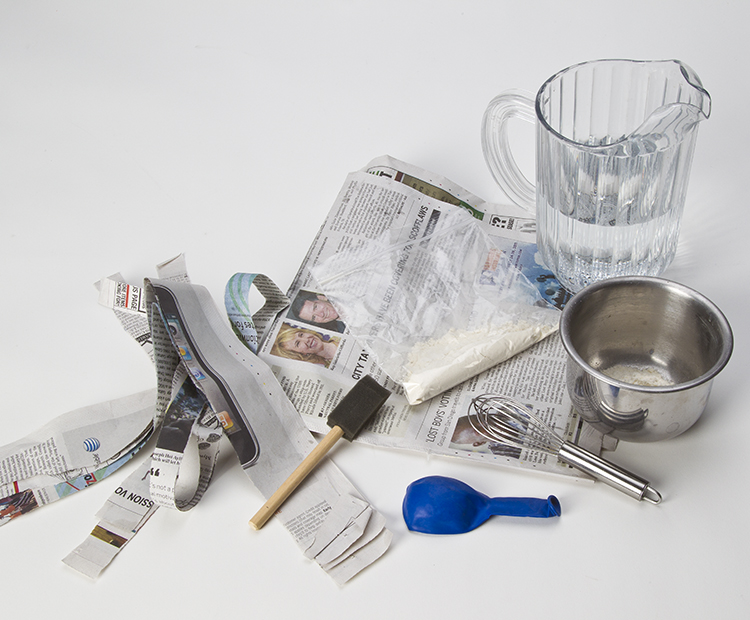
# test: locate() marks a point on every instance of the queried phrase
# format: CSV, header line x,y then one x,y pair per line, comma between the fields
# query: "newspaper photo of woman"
x,y
300,343
315,308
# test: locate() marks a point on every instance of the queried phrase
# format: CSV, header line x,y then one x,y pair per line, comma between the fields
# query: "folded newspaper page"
x,y
316,358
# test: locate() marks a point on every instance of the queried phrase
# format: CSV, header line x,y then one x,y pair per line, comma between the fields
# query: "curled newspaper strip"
x,y
230,391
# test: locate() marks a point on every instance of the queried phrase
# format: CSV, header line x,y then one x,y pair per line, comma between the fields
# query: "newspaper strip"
x,y
237,303
368,203
121,517
129,304
72,452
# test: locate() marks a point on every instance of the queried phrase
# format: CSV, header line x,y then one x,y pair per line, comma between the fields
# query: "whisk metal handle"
x,y
610,474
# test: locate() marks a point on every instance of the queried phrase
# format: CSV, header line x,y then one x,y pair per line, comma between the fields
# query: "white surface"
x,y
132,131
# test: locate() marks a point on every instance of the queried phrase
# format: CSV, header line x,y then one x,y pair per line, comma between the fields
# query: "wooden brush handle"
x,y
296,477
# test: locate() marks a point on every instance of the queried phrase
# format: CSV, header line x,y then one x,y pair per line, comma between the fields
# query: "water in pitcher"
x,y
581,252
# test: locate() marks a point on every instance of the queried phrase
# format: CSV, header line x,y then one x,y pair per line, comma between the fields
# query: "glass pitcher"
x,y
614,145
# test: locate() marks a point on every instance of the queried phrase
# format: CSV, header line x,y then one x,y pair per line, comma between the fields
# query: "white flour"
x,y
637,375
439,364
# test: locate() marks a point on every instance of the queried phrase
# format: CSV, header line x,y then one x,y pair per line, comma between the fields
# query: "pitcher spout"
x,y
675,104
700,97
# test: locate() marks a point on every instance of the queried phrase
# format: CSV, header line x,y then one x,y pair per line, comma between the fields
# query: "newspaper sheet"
x,y
367,204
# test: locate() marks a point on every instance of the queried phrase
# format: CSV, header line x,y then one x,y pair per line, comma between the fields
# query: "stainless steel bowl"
x,y
642,355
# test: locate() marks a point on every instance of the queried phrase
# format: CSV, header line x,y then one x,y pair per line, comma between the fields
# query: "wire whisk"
x,y
503,419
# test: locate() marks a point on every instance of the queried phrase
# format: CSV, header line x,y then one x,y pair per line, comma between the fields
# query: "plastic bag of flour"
x,y
434,301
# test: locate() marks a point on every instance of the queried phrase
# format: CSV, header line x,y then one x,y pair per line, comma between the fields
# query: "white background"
x,y
132,131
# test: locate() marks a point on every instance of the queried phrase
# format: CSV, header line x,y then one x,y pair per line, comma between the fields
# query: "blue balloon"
x,y
439,505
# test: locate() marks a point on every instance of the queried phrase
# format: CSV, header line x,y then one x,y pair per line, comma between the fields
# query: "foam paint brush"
x,y
352,413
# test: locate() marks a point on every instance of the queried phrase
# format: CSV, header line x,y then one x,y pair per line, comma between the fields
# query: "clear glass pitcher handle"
x,y
496,145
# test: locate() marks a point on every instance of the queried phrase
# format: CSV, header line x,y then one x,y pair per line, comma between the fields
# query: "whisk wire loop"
x,y
507,421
